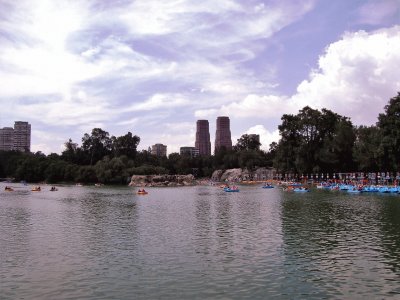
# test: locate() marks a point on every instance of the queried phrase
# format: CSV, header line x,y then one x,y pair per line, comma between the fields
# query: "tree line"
x,y
312,141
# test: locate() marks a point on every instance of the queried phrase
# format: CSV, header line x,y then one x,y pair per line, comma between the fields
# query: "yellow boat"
x,y
36,189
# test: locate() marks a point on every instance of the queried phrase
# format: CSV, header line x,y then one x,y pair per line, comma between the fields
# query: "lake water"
x,y
197,243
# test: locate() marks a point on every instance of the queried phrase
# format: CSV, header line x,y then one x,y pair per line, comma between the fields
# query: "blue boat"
x,y
345,187
268,186
229,190
383,189
301,190
370,189
354,190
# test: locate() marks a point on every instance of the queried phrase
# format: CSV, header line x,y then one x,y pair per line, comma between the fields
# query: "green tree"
x,y
125,145
389,124
247,142
314,141
97,144
366,148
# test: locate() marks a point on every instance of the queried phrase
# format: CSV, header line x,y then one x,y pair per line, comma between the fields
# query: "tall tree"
x,y
366,148
314,141
97,144
389,123
125,145
247,142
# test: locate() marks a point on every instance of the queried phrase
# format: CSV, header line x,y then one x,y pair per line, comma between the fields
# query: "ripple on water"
x,y
198,242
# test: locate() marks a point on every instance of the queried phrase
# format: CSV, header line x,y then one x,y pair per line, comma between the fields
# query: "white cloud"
x,y
266,136
78,65
159,102
206,113
251,106
356,77
174,135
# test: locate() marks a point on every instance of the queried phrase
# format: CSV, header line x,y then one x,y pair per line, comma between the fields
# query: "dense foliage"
x,y
312,141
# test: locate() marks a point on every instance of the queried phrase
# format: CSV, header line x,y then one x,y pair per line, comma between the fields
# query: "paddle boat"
x,y
268,186
233,189
142,192
370,189
301,190
294,184
383,189
8,189
354,190
345,187
36,189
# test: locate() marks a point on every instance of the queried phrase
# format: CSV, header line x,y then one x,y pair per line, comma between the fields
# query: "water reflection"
x,y
333,243
198,242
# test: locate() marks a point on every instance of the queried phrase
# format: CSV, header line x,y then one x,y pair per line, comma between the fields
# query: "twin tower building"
x,y
222,136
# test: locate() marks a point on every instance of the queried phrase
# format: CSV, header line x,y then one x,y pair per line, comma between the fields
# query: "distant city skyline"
x,y
153,67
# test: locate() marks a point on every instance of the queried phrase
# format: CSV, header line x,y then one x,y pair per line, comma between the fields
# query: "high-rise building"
x,y
22,136
7,139
159,150
17,138
190,151
203,143
223,134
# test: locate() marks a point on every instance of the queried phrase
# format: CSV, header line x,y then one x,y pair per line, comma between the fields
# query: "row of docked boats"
x,y
353,188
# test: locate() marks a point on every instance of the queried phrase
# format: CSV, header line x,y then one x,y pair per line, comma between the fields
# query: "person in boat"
x,y
53,189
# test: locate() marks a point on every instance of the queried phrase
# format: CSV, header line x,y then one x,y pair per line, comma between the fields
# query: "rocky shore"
x,y
162,180
230,175
239,175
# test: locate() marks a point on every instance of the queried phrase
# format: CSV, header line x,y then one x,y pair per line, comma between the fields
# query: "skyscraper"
x,y
7,139
22,136
223,134
203,142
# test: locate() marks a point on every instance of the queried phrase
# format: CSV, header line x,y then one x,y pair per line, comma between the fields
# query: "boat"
x,y
383,189
268,186
354,190
345,187
142,192
231,190
8,189
36,189
370,189
53,189
301,190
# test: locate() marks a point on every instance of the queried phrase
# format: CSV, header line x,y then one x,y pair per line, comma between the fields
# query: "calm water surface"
x,y
197,243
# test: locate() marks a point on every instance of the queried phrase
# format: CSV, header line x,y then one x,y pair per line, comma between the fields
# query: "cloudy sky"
x,y
154,67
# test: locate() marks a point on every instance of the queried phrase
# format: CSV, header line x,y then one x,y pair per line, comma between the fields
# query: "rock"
x,y
162,180
238,175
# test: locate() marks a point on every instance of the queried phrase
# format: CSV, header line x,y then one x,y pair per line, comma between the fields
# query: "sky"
x,y
155,67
